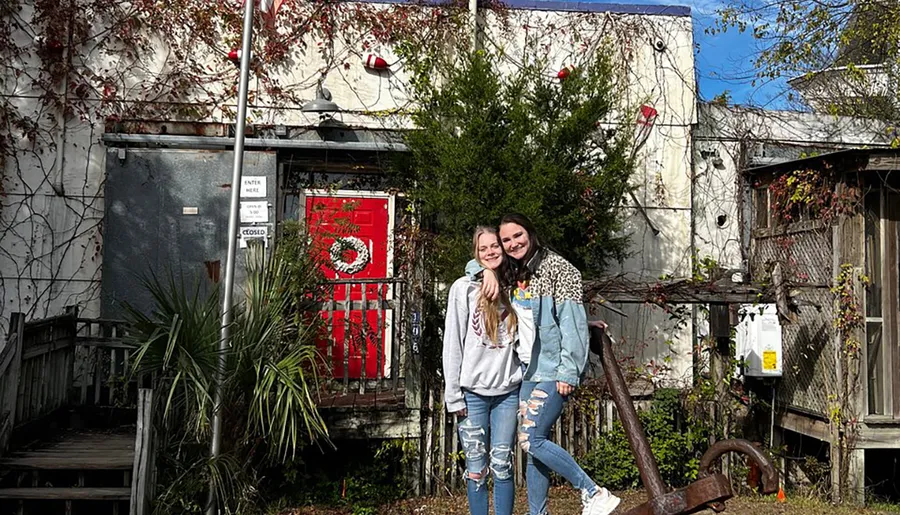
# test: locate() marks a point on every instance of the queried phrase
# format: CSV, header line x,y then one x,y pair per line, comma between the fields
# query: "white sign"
x,y
253,233
257,211
189,210
253,187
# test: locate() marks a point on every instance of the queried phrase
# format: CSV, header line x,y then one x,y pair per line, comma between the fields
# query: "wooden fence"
x,y
69,361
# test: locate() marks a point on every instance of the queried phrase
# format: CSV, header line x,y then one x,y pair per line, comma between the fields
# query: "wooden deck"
x,y
371,415
44,366
386,400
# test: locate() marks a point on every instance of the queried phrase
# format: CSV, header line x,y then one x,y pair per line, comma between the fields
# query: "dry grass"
x,y
564,501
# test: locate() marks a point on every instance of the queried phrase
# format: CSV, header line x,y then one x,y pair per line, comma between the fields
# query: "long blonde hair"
x,y
490,309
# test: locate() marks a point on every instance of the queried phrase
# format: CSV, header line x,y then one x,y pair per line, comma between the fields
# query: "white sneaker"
x,y
602,503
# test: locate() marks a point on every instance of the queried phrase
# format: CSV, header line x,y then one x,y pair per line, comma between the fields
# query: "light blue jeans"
x,y
489,419
539,407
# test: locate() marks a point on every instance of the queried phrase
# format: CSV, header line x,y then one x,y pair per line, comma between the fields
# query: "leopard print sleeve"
x,y
565,280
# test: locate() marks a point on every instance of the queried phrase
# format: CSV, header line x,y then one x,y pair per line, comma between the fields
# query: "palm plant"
x,y
271,380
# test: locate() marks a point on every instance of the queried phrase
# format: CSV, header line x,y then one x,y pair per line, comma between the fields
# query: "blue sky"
x,y
724,61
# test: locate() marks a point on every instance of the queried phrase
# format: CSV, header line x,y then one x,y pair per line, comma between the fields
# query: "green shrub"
x,y
358,476
677,443
492,140
269,413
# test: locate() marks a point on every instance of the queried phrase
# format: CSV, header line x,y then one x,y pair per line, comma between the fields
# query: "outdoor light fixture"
x,y
322,103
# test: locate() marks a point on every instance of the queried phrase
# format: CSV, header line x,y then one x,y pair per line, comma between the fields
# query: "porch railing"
x,y
45,367
364,323
10,361
60,361
101,364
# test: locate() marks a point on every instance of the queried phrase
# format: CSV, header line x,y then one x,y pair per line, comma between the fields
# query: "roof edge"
x,y
561,5
824,159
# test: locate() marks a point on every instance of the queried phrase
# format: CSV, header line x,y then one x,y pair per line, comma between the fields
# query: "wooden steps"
x,y
78,451
67,494
42,479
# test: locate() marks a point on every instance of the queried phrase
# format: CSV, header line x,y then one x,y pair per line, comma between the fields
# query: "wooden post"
x,y
413,364
847,462
584,429
68,360
609,415
856,407
142,474
431,415
454,463
416,468
10,368
778,457
442,450
857,480
364,336
720,359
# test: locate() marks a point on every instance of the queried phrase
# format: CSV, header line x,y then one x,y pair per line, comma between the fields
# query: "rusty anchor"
x,y
711,490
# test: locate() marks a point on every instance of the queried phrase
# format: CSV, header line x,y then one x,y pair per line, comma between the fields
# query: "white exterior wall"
x,y
51,218
865,83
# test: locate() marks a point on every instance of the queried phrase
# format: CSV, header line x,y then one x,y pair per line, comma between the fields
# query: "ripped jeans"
x,y
540,406
489,419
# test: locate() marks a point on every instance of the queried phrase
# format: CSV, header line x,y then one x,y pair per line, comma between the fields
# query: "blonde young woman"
x,y
482,374
553,342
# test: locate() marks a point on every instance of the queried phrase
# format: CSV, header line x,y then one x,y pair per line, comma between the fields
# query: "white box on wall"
x,y
758,341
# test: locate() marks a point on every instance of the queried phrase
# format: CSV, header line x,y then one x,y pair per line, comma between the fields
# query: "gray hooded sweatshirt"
x,y
471,360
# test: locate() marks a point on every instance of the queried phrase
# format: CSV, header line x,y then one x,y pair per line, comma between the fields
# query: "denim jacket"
x,y
560,351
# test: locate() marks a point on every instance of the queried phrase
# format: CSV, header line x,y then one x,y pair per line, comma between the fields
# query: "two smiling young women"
x,y
515,346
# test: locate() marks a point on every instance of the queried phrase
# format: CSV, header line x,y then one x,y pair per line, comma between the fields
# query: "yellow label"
x,y
770,360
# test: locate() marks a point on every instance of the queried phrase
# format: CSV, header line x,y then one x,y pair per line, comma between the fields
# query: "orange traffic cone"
x,y
781,497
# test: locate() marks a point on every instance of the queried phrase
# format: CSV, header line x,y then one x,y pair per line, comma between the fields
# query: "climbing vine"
x,y
75,69
849,316
849,321
810,194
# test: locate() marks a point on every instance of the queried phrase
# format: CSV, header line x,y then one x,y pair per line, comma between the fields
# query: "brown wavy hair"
x,y
519,268
490,309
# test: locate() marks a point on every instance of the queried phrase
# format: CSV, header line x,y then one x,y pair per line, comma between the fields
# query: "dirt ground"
x,y
564,501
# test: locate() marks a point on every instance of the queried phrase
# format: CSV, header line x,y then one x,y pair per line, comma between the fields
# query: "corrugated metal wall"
x,y
167,212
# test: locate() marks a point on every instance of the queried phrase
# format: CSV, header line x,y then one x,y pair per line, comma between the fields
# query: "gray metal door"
x,y
167,214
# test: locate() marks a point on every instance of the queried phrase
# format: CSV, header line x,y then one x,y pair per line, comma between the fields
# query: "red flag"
x,y
647,116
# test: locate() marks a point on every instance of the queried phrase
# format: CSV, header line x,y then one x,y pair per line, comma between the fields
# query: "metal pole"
x,y
225,333
473,20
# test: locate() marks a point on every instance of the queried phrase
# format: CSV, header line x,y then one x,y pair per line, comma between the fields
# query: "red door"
x,y
355,221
